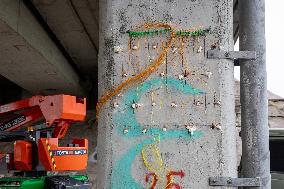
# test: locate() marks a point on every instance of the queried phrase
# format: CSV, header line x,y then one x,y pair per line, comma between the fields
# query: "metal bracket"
x,y
234,182
218,54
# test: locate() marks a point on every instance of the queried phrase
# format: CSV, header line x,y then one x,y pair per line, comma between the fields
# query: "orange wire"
x,y
144,74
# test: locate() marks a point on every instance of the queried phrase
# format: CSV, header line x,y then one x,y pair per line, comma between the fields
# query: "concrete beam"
x,y
75,27
29,57
88,10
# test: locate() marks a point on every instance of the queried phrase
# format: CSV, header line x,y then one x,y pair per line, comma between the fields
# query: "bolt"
x,y
227,54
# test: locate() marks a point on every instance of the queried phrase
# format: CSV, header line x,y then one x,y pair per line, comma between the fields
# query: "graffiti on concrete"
x,y
154,181
163,58
170,175
123,116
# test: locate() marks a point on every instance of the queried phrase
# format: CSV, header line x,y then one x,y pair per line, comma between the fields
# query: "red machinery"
x,y
36,148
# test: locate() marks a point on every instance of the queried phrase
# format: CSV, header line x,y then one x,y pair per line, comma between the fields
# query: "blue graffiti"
x,y
124,117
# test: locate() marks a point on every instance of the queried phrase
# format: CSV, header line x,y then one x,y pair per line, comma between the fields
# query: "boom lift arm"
x,y
58,111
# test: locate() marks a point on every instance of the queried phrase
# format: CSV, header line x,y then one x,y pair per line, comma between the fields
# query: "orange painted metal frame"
x,y
23,155
55,158
58,111
52,107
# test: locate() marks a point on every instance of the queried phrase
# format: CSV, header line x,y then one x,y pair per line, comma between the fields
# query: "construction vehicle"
x,y
35,125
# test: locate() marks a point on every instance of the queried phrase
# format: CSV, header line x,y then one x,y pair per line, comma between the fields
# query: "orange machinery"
x,y
36,147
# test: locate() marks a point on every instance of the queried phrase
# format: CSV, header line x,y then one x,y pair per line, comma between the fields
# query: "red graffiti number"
x,y
155,179
169,179
170,176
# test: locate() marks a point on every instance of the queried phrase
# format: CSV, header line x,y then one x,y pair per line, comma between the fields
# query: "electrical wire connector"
x,y
118,49
115,104
134,47
124,74
173,105
144,131
198,103
200,49
125,131
136,105
217,103
180,77
216,126
208,74
191,128
162,74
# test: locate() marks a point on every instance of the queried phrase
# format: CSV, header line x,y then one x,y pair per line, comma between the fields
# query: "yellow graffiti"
x,y
152,159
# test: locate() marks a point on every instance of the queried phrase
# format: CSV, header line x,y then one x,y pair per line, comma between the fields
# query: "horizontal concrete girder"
x,y
29,57
74,24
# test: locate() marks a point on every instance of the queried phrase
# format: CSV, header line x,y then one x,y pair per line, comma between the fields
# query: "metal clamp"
x,y
218,54
234,182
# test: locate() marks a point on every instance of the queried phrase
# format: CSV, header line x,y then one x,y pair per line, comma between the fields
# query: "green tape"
x,y
196,33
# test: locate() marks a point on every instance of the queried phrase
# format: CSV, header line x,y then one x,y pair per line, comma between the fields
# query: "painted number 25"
x,y
170,175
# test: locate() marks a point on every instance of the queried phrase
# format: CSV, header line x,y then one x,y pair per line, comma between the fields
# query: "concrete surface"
x,y
210,152
31,60
75,26
29,57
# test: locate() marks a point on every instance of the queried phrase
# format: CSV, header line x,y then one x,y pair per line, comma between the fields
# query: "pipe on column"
x,y
254,102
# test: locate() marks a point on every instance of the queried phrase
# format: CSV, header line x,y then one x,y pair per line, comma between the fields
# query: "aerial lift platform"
x,y
35,126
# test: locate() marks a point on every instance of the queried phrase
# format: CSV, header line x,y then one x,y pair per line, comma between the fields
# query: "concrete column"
x,y
176,127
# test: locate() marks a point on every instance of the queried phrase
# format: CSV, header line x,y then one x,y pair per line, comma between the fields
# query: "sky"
x,y
274,29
